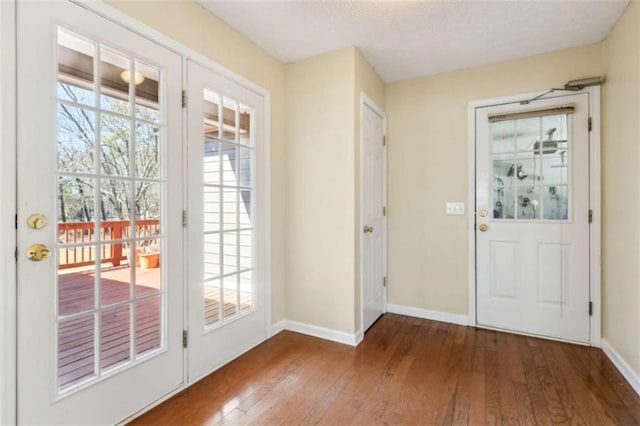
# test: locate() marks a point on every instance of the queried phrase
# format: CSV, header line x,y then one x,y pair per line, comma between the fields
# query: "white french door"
x,y
226,220
532,224
373,221
100,304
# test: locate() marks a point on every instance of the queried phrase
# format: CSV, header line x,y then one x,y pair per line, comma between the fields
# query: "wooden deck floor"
x,y
76,347
413,372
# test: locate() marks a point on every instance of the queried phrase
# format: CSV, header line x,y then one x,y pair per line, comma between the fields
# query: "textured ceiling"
x,y
404,40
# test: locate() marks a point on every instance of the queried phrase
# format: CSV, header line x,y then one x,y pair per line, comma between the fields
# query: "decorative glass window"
x,y
531,168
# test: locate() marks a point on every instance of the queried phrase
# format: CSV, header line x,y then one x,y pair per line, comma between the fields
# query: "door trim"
x,y
366,101
8,294
594,202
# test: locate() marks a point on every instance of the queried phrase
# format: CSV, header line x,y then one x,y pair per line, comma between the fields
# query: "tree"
x,y
79,151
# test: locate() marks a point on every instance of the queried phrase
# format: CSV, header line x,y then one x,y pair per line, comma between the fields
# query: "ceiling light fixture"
x,y
126,77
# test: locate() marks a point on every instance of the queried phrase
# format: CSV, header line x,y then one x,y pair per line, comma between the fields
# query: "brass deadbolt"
x,y
37,221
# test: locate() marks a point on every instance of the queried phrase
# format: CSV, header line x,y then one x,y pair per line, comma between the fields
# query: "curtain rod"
x,y
562,109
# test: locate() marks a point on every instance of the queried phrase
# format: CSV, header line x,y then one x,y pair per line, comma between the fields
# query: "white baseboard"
x,y
316,331
428,314
277,327
625,369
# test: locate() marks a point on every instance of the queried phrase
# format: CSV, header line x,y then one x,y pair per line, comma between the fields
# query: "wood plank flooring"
x,y
409,371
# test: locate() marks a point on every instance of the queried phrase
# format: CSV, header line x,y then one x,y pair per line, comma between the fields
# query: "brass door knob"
x,y
483,227
38,252
368,229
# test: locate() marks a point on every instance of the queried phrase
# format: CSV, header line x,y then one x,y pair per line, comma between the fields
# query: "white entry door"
x,y
532,224
100,289
226,220
373,245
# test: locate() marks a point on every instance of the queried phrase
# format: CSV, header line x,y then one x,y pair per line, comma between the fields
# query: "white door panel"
x,y
98,337
373,239
532,232
227,312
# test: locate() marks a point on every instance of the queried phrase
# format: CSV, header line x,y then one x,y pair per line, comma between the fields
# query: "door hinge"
x,y
384,140
590,308
384,210
16,254
590,215
184,218
16,221
185,338
185,99
590,123
384,281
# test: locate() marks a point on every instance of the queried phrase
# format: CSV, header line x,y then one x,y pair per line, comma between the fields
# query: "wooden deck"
x,y
212,303
76,349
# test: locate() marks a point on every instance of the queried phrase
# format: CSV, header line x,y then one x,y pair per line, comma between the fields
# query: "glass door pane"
x,y
530,168
227,180
110,195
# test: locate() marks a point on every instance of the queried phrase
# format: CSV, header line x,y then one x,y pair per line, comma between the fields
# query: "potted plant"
x,y
148,256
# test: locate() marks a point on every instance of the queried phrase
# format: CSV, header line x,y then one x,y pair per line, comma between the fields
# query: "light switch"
x,y
456,209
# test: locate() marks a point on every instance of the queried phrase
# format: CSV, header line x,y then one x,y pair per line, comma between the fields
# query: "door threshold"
x,y
537,336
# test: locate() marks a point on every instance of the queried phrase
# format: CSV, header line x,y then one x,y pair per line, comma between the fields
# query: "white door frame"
x,y
366,101
594,202
8,296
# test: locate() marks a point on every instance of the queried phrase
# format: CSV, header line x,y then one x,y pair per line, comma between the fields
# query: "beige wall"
x,y
320,191
621,188
368,82
193,26
323,139
427,151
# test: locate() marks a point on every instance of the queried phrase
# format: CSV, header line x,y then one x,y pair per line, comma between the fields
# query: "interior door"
x,y
373,232
100,314
532,224
226,220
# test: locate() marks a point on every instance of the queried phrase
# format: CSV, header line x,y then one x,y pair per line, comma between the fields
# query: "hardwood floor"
x,y
409,371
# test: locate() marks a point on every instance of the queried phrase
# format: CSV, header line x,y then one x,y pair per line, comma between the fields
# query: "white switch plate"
x,y
456,209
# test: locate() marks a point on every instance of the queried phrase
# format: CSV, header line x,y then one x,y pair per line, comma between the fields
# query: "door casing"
x,y
594,203
8,295
366,101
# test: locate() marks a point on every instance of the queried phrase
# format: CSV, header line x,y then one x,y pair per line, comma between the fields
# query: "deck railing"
x,y
114,253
